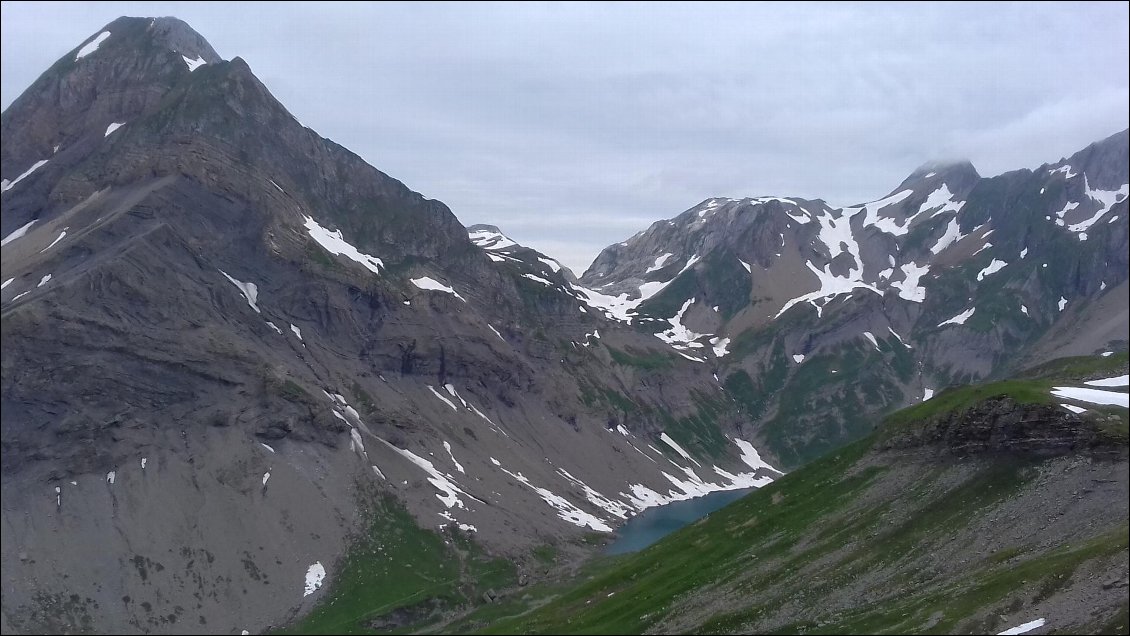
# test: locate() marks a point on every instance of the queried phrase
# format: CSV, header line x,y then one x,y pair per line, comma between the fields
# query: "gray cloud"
x,y
574,126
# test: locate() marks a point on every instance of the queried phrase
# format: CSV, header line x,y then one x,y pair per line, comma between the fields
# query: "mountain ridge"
x,y
227,340
232,348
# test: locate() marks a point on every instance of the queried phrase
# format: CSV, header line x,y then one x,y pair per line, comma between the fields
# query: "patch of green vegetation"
x,y
626,594
619,400
831,398
725,281
841,519
699,432
546,553
645,360
317,254
364,400
1072,368
754,396
983,589
284,387
399,566
963,398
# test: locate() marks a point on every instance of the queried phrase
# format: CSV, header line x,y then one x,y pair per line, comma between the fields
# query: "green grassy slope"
x,y
861,541
864,541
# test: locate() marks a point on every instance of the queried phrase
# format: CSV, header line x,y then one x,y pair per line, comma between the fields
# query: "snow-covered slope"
x,y
852,311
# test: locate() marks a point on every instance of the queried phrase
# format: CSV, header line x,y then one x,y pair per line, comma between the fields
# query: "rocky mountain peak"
x,y
118,74
1103,162
177,36
958,175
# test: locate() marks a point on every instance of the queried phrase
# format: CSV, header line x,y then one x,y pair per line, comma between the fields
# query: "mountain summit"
x,y
231,348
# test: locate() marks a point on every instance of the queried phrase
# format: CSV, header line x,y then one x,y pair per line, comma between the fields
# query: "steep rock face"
x,y
1000,425
821,318
224,336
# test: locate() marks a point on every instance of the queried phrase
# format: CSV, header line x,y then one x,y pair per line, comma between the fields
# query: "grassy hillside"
x,y
912,539
871,541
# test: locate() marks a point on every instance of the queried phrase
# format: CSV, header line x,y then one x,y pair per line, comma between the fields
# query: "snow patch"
x,y
61,236
678,449
193,64
752,458
266,446
43,281
458,466
941,197
895,334
1106,199
489,240
1062,303
440,396
1074,409
8,185
1121,380
17,233
6,283
659,262
1039,622
679,334
798,358
720,346
611,506
1093,396
296,331
871,337
449,491
315,574
909,288
565,509
249,290
111,477
92,45
537,279
959,319
112,127
993,267
952,235
830,286
334,243
266,476
432,284
927,393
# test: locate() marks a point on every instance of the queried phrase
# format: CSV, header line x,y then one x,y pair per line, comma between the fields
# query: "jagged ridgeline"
x,y
248,378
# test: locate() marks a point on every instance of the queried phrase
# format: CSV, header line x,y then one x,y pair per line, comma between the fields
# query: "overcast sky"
x,y
575,126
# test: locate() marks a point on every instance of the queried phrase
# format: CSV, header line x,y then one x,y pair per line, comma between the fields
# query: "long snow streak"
x,y
8,185
17,233
335,244
565,509
432,284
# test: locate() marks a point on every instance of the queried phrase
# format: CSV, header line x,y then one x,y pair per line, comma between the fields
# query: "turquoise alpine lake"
x,y
653,524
